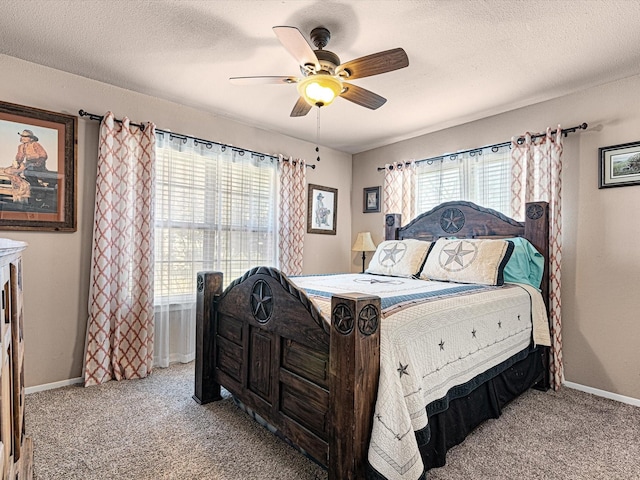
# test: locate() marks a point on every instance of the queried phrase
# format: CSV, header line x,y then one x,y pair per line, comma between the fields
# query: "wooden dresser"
x,y
16,451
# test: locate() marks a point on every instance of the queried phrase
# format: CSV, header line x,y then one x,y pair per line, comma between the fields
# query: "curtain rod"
x,y
493,147
208,143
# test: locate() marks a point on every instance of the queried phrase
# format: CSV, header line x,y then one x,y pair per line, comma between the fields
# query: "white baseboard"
x,y
603,393
51,386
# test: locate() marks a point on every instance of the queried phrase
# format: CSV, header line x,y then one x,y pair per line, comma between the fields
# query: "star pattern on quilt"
x,y
499,324
393,254
402,369
456,254
441,344
473,333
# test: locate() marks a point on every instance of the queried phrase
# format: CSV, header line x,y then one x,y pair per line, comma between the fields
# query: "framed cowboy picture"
x,y
322,209
37,169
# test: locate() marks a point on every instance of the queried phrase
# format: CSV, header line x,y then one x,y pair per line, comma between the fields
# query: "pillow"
x,y
399,258
467,260
526,264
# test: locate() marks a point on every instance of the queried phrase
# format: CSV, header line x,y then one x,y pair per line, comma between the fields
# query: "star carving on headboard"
x,y
452,220
534,211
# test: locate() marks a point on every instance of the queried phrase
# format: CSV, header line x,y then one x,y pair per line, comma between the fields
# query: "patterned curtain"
x,y
292,205
400,189
536,176
120,326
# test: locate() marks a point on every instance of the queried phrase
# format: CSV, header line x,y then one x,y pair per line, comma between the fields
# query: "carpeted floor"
x,y
152,429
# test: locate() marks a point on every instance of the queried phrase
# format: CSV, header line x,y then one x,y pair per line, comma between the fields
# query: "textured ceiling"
x,y
468,59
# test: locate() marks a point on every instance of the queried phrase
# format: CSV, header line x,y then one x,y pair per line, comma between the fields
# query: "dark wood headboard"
x,y
467,220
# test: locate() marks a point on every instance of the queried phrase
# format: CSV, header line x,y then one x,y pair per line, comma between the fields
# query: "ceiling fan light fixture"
x,y
320,90
324,77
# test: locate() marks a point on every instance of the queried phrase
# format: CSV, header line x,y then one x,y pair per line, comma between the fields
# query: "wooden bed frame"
x,y
267,344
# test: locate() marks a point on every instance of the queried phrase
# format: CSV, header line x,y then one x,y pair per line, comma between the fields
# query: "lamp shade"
x,y
364,243
320,90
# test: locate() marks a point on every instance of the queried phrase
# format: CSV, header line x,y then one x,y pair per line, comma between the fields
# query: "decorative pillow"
x,y
399,258
467,260
526,264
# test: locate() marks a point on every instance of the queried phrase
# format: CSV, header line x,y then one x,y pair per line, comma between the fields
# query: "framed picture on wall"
x,y
619,165
371,200
37,169
322,209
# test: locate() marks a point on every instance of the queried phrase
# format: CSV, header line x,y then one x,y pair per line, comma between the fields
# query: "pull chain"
x,y
318,135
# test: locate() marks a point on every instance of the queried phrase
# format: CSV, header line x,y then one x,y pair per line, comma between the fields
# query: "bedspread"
x,y
433,336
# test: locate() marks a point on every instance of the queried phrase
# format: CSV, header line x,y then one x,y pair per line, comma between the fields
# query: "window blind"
x,y
215,210
481,176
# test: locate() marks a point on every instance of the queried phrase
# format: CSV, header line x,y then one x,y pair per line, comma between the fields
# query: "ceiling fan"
x,y
323,76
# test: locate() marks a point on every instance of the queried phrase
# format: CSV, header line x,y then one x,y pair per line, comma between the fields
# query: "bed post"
x,y
209,287
354,368
536,230
391,226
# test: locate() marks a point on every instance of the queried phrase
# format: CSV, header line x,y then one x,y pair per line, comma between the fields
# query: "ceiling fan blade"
x,y
297,46
374,64
262,80
301,108
362,96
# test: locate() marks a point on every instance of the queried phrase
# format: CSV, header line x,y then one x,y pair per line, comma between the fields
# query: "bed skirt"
x,y
450,421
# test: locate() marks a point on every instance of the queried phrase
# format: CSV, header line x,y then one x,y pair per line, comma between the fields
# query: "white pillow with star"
x,y
399,258
467,260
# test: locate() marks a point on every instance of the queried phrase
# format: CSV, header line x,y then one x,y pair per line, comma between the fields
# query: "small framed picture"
x,y
322,209
619,165
371,200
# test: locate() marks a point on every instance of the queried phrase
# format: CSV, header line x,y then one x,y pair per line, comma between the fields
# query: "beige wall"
x,y
57,265
601,228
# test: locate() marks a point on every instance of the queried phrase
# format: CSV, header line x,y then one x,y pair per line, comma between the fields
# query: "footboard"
x,y
267,343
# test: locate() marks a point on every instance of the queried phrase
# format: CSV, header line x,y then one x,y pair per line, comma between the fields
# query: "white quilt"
x,y
433,336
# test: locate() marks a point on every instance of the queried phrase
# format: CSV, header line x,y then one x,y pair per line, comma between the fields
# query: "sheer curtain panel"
x,y
293,202
537,176
120,325
215,210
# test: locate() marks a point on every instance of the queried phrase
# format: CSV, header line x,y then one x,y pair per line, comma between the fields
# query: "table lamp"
x,y
363,244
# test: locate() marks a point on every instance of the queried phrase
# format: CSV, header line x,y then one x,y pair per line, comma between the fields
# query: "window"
x,y
215,210
482,176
